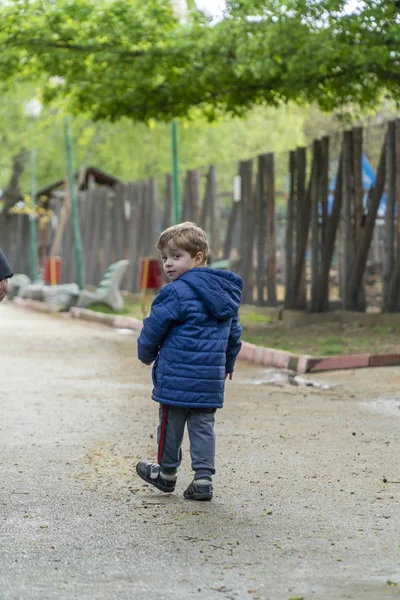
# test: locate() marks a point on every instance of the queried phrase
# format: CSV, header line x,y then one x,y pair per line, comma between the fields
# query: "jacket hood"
x,y
221,291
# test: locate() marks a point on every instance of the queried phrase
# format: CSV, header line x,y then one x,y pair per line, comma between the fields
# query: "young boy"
x,y
193,337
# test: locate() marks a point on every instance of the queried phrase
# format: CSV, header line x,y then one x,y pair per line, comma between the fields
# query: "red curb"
x,y
281,359
247,351
303,364
353,361
267,356
258,356
384,360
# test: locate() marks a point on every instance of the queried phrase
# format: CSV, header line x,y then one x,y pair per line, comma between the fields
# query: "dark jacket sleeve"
x,y
164,313
5,269
234,344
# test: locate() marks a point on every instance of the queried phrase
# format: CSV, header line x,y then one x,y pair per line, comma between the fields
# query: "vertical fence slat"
x,y
167,218
261,227
215,212
270,226
290,230
367,231
323,192
234,216
315,230
388,262
194,195
302,225
346,227
394,284
247,228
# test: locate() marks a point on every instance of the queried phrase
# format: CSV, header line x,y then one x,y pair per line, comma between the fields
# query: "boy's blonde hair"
x,y
186,236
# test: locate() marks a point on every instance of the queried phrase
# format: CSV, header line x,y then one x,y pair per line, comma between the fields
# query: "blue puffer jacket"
x,y
193,334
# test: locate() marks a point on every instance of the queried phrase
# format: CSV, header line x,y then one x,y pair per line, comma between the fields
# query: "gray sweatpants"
x,y
200,424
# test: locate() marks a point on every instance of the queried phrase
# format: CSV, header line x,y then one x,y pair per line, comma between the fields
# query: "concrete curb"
x,y
269,357
111,320
35,305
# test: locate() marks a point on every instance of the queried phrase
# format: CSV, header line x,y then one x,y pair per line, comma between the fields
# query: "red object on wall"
x,y
52,270
150,274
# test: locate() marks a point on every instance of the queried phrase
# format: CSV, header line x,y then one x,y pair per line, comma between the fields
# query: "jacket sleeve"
x,y
234,344
164,313
5,269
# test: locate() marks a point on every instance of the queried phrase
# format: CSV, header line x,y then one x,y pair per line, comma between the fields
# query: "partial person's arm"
x,y
164,314
234,345
3,289
5,274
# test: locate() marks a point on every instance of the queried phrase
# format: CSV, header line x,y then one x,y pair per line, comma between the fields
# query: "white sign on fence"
x,y
237,188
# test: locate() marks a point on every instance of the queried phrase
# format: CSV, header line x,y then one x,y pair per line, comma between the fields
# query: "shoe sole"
x,y
199,497
155,484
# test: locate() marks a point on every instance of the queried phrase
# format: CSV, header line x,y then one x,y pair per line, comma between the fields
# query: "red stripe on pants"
x,y
162,434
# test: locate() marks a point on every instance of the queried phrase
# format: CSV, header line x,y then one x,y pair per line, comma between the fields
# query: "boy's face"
x,y
176,261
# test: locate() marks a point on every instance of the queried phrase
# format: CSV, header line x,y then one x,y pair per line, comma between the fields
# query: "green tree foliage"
x,y
129,58
134,151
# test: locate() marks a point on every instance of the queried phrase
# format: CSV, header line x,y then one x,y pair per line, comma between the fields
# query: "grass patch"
x,y
321,339
326,339
129,310
382,329
248,316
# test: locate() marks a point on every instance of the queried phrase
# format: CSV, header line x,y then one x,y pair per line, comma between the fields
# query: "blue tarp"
x,y
369,178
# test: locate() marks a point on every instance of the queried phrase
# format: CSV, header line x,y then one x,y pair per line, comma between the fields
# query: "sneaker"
x,y
152,473
199,489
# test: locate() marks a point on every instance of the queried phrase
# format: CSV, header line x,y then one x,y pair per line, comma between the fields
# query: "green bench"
x,y
107,292
65,295
17,286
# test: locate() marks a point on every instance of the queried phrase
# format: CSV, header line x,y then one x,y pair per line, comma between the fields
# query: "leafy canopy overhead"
x,y
115,58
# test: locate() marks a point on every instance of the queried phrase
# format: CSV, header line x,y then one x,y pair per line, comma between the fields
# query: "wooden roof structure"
x,y
98,176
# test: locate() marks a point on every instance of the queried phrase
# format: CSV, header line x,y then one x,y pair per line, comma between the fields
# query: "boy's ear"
x,y
199,258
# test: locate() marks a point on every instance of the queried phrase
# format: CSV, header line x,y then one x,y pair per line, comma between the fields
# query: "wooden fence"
x,y
298,241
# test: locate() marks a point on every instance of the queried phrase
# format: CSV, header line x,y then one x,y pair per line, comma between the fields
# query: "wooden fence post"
x,y
389,253
234,215
394,285
215,212
346,226
322,304
131,241
119,223
302,226
315,229
194,195
358,193
85,228
331,231
367,231
261,227
270,227
185,208
205,207
167,218
247,228
290,230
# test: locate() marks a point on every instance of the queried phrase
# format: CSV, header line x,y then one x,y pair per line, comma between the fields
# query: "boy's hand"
x,y
230,375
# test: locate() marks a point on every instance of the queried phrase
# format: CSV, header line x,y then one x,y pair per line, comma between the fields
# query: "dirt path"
x,y
300,508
